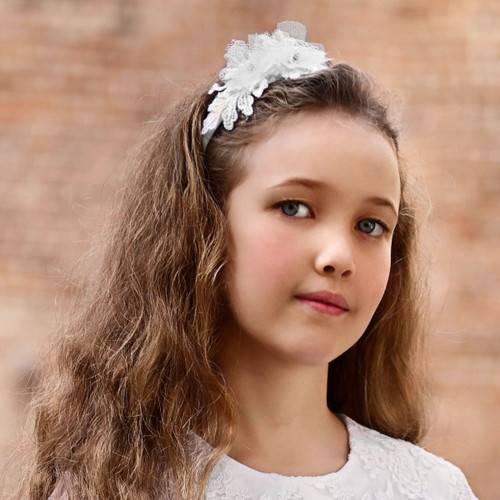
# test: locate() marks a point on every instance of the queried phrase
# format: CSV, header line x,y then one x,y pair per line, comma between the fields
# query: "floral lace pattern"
x,y
251,67
378,468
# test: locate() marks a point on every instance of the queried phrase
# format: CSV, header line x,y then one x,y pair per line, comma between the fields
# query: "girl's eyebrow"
x,y
382,202
300,181
312,184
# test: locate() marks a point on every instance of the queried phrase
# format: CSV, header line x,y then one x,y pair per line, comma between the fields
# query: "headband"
x,y
251,67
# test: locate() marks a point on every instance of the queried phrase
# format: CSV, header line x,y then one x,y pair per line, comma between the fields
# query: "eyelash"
x,y
383,225
281,204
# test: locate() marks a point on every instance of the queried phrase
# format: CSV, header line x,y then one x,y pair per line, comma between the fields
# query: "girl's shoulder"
x,y
59,493
415,472
378,467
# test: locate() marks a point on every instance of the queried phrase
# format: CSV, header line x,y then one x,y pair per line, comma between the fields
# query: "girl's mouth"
x,y
325,302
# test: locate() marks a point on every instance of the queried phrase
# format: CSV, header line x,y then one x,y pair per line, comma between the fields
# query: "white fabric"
x,y
251,67
378,468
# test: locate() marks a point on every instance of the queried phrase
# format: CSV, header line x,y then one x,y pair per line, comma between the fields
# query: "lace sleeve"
x,y
462,489
59,493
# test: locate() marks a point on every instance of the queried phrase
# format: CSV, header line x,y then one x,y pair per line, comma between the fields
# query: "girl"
x,y
254,329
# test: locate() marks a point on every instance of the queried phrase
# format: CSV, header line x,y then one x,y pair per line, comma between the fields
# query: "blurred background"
x,y
80,79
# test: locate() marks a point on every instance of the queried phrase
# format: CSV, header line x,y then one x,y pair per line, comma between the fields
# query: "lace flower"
x,y
251,67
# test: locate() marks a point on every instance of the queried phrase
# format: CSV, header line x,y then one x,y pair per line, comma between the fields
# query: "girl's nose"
x,y
335,257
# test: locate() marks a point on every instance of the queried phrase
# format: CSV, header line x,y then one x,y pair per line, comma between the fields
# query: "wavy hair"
x,y
135,382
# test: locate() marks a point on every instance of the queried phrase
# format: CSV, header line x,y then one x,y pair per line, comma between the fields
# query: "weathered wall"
x,y
78,80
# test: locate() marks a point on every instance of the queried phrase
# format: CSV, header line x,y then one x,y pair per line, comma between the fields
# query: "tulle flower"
x,y
251,67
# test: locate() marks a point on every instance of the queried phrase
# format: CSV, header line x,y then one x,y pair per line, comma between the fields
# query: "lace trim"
x,y
378,468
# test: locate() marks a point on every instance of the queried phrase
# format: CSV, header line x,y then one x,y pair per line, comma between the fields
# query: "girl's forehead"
x,y
320,143
313,126
337,157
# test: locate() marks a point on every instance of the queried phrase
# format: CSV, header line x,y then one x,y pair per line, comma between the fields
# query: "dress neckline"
x,y
239,467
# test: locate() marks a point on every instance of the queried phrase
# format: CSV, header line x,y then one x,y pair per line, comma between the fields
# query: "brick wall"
x,y
78,80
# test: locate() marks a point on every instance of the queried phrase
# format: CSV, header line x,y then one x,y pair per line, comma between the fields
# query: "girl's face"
x,y
310,226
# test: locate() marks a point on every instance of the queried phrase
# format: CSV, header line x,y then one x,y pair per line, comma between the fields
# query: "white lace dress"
x,y
378,468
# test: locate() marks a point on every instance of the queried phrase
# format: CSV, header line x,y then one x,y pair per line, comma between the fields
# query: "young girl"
x,y
254,329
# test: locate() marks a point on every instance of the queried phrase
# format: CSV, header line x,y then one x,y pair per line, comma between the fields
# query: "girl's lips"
x,y
325,302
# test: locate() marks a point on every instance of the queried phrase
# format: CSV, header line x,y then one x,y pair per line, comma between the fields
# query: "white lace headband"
x,y
251,67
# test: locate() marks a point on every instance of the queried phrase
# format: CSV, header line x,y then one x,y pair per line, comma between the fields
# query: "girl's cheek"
x,y
377,276
273,254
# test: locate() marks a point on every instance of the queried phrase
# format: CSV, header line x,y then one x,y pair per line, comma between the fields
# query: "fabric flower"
x,y
251,67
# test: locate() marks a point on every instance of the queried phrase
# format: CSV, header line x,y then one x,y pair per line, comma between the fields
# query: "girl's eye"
x,y
292,208
371,227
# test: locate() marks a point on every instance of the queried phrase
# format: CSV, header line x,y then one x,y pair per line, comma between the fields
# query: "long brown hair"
x,y
135,383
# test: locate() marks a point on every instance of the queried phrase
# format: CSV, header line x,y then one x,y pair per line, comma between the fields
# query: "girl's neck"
x,y
284,424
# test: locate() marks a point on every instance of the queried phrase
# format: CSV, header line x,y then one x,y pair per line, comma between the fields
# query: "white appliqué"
x,y
396,462
250,68
220,488
378,468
